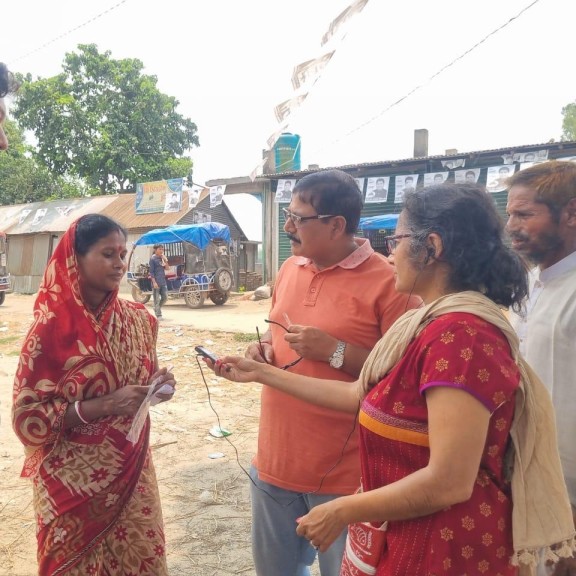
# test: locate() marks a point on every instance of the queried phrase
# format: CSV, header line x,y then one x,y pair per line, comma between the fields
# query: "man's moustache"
x,y
293,238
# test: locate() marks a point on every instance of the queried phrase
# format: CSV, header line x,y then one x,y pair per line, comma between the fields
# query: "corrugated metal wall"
x,y
378,208
28,255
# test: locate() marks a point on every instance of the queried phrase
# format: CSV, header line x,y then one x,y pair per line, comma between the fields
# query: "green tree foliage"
x,y
23,179
569,122
104,121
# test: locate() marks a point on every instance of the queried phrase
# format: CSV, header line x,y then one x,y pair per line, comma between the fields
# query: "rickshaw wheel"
x,y
219,298
194,297
139,296
2,297
223,279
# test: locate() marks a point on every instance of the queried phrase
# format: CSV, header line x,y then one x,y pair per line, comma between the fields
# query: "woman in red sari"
x,y
85,368
442,398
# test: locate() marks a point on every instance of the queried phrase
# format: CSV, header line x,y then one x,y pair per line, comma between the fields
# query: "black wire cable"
x,y
301,495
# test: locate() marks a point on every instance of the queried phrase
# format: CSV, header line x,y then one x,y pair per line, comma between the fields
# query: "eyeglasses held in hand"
x,y
262,348
297,220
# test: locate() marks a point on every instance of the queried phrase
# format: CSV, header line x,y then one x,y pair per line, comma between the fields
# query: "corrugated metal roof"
x,y
53,216
123,210
493,151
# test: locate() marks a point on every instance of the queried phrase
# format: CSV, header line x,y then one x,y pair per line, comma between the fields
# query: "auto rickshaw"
x,y
199,259
376,228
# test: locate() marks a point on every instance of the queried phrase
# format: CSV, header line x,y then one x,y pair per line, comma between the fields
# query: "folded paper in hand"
x,y
150,400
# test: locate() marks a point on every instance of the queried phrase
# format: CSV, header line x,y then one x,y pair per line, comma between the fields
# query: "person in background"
x,y
86,365
332,301
158,266
442,397
542,225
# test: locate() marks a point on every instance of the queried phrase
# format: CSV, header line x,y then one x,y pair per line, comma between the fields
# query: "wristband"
x,y
78,413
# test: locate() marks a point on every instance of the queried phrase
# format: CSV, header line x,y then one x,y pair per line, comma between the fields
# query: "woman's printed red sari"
x,y
95,494
462,351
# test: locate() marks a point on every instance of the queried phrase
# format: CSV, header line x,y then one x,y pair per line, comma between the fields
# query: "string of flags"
x,y
307,73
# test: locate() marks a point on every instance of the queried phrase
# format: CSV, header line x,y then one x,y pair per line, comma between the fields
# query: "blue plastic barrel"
x,y
287,153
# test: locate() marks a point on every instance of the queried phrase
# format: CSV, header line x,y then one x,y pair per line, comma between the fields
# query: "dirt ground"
x,y
205,501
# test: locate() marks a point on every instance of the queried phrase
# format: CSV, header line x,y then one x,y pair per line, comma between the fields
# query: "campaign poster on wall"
x,y
469,176
284,191
403,184
496,177
377,189
216,195
173,202
434,178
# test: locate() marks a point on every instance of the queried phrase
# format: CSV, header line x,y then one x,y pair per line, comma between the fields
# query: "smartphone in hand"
x,y
206,353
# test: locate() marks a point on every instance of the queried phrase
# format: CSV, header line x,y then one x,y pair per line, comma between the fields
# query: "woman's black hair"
x,y
472,233
332,192
91,228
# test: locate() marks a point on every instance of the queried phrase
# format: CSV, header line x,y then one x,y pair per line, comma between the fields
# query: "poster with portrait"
x,y
403,184
452,164
23,215
194,195
40,213
200,217
377,189
284,191
469,176
216,195
532,156
496,177
173,202
64,210
360,182
434,178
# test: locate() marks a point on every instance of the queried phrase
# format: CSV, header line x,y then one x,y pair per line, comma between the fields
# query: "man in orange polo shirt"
x,y
332,301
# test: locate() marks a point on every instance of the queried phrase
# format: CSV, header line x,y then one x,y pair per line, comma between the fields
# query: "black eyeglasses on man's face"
x,y
392,241
262,349
297,220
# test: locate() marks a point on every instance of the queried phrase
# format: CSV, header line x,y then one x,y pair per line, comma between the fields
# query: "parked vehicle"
x,y
200,261
376,228
4,275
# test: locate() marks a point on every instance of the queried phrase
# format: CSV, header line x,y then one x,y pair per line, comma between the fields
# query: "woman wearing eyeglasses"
x,y
457,438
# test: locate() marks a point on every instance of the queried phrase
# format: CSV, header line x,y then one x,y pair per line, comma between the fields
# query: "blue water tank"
x,y
287,153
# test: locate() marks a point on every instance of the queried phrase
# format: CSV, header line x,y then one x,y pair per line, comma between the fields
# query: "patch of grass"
x,y
14,353
245,337
9,339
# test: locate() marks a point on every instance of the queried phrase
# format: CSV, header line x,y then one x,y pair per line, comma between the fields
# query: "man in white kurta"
x,y
542,225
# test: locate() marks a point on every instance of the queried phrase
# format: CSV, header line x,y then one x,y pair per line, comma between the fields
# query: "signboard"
x,y
151,196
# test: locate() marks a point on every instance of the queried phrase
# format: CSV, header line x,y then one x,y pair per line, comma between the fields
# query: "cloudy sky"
x,y
230,62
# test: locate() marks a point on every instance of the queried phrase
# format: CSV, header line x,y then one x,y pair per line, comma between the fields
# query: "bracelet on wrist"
x,y
79,413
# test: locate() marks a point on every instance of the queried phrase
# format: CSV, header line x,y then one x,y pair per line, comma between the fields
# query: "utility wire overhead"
x,y
440,71
68,32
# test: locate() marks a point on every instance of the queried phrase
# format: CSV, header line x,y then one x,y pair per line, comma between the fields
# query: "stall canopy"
x,y
198,234
384,222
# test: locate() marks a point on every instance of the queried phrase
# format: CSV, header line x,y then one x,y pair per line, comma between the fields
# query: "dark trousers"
x,y
160,296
